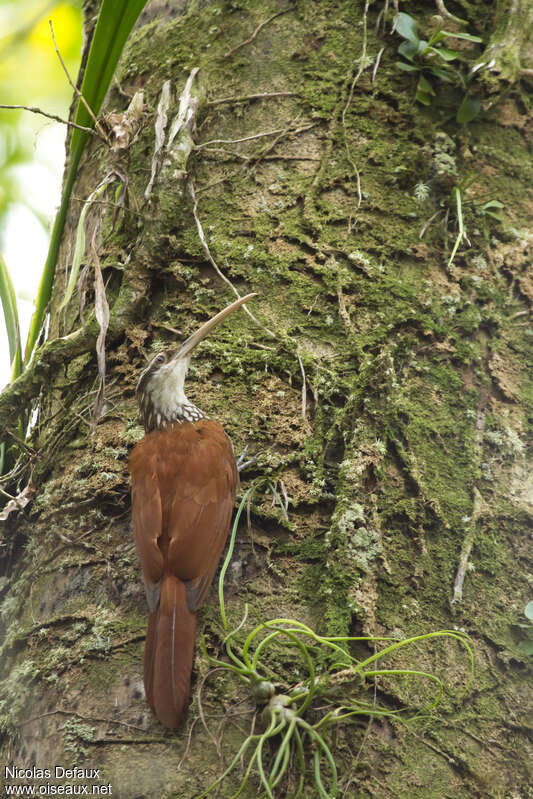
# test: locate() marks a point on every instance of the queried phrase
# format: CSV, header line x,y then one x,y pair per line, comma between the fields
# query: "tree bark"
x,y
384,388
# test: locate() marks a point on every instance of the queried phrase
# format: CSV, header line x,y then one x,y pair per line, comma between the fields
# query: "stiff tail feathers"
x,y
169,652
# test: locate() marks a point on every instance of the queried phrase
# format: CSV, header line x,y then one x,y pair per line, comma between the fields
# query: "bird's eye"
x,y
161,358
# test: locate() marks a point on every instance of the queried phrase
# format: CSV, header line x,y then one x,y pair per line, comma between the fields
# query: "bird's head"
x,y
160,390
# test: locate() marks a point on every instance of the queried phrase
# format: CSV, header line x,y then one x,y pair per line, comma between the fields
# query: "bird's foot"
x,y
242,463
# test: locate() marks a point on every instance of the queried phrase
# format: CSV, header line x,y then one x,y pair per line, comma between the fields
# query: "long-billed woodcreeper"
x,y
183,483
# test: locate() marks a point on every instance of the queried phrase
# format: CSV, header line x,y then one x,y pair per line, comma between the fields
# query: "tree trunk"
x,y
383,385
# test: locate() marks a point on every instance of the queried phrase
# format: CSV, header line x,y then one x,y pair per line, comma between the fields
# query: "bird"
x,y
184,479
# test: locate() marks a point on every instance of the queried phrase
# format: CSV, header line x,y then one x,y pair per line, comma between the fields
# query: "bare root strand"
x,y
376,64
254,34
466,549
255,136
362,65
287,132
91,720
232,154
246,97
201,235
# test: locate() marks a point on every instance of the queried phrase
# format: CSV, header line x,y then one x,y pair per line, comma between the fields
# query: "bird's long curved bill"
x,y
203,331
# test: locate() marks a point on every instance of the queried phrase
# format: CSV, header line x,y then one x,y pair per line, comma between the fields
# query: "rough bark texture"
x,y
412,457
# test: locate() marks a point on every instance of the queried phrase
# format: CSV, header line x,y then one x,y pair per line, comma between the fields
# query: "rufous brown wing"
x,y
184,479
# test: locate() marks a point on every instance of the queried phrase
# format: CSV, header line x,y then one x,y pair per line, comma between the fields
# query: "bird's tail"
x,y
169,652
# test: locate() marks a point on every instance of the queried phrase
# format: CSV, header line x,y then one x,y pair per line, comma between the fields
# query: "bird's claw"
x,y
242,464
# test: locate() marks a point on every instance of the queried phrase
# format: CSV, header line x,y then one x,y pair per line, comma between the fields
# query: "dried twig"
x,y
254,34
77,92
49,116
362,65
289,158
201,235
466,548
382,17
188,746
427,224
281,132
245,97
92,720
272,145
376,64
201,710
232,153
254,136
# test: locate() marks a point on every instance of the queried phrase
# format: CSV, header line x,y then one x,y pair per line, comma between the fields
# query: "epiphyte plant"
x,y
291,746
430,59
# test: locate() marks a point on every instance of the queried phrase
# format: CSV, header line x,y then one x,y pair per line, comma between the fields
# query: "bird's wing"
x,y
198,490
198,587
147,520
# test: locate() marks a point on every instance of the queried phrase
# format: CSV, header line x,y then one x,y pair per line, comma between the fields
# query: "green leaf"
x,y
424,86
436,37
406,67
11,318
447,55
498,204
528,610
444,74
408,50
407,28
468,110
423,97
467,36
114,24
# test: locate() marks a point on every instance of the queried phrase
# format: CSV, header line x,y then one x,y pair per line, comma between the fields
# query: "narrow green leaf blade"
x,y
466,36
406,67
485,206
79,246
11,318
115,22
444,74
